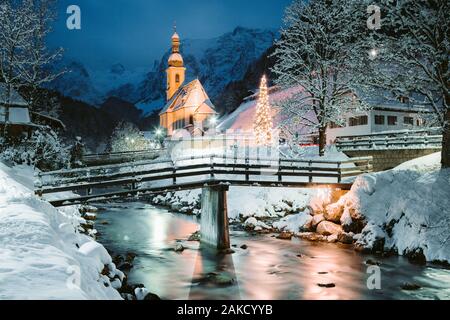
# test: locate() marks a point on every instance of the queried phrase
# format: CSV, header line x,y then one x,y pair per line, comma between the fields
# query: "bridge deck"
x,y
164,176
189,186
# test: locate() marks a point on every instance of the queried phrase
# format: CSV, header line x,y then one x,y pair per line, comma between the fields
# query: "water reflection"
x,y
268,269
214,276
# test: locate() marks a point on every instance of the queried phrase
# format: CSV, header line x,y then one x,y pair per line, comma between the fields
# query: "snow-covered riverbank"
x,y
404,211
42,255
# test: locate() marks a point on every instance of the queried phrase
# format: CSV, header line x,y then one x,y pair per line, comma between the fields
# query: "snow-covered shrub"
x,y
127,137
43,150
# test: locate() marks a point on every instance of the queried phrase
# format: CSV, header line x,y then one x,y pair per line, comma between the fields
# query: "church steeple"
x,y
176,70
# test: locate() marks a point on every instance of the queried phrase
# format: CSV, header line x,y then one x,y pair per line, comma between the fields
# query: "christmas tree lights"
x,y
263,121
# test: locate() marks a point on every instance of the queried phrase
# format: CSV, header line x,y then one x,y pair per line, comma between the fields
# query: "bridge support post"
x,y
214,219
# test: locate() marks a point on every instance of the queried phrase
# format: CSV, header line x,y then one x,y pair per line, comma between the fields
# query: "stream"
x,y
268,269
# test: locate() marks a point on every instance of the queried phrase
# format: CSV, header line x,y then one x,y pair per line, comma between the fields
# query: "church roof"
x,y
191,95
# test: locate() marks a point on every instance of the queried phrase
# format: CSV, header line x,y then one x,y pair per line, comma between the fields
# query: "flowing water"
x,y
268,269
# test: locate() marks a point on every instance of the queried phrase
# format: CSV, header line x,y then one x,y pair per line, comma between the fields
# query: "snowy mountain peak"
x,y
216,62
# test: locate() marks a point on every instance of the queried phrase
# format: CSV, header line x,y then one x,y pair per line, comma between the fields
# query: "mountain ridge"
x,y
216,62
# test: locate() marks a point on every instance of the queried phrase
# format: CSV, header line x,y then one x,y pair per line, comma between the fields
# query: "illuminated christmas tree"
x,y
263,121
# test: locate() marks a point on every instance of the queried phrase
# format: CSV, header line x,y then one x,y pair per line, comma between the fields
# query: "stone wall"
x,y
388,159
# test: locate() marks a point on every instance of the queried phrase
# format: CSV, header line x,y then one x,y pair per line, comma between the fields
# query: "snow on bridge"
x,y
152,177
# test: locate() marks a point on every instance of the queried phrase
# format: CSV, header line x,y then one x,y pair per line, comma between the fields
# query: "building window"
x,y
379,119
392,120
358,121
191,119
179,124
403,99
408,121
420,122
177,78
334,125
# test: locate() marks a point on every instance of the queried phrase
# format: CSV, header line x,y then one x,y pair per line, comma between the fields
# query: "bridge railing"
x,y
289,172
120,157
426,138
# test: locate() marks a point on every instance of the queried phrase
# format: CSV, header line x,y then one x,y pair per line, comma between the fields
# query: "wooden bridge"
x,y
214,175
425,138
97,159
390,149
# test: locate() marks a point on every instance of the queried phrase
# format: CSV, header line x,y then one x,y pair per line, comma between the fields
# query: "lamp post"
x,y
159,134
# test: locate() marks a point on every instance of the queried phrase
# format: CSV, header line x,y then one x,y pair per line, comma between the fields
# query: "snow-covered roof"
x,y
14,97
383,100
192,95
242,119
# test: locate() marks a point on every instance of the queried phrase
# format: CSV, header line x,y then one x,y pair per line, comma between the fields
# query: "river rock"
x,y
371,262
251,223
318,218
311,236
90,217
152,297
326,285
179,247
410,286
221,279
355,213
333,212
195,236
285,235
352,225
327,228
346,238
332,238
416,256
130,257
126,266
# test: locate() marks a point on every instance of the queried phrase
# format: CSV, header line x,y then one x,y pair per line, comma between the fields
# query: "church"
x,y
188,106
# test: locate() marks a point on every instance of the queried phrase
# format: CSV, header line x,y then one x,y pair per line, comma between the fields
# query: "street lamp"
x,y
373,53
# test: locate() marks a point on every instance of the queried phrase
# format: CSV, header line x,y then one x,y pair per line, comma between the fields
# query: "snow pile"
x,y
244,202
294,223
42,256
187,202
406,210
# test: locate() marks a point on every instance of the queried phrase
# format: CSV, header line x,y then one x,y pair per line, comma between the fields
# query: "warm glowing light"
x,y
373,53
263,125
213,120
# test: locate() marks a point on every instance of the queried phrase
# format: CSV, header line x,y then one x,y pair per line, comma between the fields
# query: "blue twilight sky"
x,y
136,32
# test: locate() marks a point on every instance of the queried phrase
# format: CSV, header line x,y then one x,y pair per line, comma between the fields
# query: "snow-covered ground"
x,y
42,256
407,209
